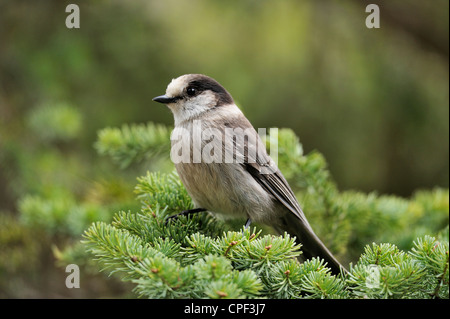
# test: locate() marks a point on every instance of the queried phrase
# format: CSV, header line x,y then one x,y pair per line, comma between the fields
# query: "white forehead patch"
x,y
176,87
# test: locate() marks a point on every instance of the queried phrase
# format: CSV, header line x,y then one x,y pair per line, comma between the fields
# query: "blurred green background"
x,y
375,102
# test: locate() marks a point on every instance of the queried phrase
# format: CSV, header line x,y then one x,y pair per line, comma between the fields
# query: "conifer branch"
x,y
133,143
200,257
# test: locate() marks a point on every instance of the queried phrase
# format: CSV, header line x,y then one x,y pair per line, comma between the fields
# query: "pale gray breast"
x,y
225,188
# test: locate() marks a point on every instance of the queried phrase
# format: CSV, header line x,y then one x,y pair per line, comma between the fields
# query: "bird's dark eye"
x,y
191,91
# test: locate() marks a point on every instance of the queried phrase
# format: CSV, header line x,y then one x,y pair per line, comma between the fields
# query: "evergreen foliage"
x,y
201,256
133,143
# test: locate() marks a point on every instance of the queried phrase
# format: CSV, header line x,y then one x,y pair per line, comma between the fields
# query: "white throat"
x,y
188,110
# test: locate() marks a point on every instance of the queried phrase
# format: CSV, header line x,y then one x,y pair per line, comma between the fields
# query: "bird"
x,y
224,165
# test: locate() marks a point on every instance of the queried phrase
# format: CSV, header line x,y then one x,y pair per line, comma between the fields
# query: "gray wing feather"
x,y
276,185
262,168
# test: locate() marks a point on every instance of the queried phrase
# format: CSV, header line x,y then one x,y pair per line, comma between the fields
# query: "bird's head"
x,y
192,94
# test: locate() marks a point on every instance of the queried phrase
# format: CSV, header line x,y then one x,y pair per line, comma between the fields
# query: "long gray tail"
x,y
312,246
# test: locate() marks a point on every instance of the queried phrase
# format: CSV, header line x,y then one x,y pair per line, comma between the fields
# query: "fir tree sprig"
x,y
433,256
383,271
133,143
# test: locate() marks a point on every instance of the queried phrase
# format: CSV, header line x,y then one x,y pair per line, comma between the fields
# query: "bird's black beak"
x,y
165,99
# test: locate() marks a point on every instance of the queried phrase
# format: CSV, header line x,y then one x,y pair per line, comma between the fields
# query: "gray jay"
x,y
224,165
